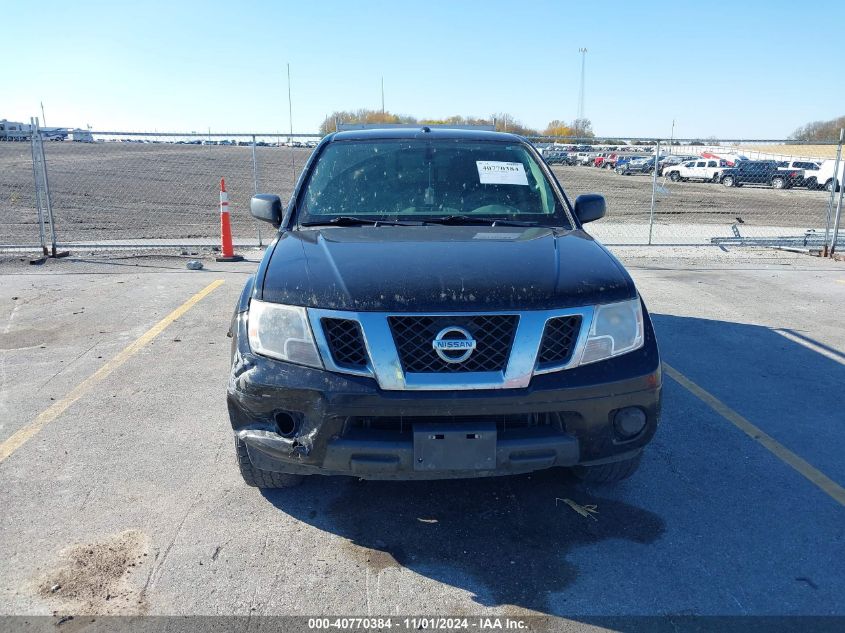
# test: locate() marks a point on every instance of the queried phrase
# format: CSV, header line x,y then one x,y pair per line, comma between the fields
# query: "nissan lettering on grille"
x,y
453,344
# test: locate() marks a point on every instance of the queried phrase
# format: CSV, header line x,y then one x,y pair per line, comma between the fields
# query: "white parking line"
x,y
819,348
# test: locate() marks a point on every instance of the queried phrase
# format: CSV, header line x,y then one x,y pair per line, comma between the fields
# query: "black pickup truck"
x,y
432,308
760,172
559,157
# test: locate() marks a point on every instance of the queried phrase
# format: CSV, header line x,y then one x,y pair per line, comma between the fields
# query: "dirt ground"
x,y
120,191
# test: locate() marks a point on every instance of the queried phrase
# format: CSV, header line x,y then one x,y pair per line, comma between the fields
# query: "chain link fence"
x,y
18,217
740,192
121,189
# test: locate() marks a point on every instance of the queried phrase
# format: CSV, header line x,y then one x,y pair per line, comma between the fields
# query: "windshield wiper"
x,y
347,220
470,220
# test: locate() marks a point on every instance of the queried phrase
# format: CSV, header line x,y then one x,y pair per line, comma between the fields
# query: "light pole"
x,y
290,107
583,52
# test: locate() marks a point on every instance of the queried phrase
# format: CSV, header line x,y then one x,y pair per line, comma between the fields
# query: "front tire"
x,y
259,478
674,176
728,181
607,473
778,182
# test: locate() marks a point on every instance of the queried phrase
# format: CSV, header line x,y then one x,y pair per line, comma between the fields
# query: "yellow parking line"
x,y
807,470
23,435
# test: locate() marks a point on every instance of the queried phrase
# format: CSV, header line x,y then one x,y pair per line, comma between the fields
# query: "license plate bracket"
x,y
460,446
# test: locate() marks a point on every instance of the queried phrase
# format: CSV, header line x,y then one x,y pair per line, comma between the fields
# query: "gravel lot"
x,y
118,191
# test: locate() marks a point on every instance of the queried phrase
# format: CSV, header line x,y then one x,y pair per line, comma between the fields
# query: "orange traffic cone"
x,y
225,228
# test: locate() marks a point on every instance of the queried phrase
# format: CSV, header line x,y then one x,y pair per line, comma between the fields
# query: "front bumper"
x,y
347,425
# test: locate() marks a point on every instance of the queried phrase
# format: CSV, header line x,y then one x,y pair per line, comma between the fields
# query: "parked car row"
x,y
776,174
730,170
308,144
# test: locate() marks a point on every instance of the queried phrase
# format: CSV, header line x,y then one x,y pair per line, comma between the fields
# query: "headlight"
x,y
617,329
282,332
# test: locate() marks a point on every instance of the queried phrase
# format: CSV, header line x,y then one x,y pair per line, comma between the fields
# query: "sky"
x,y
752,70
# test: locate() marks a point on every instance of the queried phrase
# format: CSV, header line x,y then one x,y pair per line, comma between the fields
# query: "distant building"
x,y
82,136
14,131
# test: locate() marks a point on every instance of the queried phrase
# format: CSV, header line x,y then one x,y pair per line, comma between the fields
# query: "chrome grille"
x,y
413,336
346,342
559,339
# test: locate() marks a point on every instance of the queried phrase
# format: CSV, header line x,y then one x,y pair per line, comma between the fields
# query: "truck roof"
x,y
432,133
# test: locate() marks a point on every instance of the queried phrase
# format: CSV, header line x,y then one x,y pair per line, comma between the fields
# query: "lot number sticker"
x,y
494,172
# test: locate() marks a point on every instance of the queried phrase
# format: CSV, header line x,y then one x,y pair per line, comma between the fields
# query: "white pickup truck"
x,y
705,169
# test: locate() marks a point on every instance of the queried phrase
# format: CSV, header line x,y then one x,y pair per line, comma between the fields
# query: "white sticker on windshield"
x,y
494,172
497,236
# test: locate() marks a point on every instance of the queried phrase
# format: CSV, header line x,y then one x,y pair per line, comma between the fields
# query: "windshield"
x,y
408,181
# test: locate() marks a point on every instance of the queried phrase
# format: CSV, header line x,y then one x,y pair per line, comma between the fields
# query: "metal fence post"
x,y
653,191
42,188
38,202
46,193
832,193
838,215
255,184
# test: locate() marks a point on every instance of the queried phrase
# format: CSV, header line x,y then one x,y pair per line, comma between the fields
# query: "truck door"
x,y
687,169
712,169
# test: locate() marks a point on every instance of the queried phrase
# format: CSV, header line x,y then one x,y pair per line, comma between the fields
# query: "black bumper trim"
x,y
381,458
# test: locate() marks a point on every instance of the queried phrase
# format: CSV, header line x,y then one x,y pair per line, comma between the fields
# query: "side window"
x,y
711,163
689,164
701,163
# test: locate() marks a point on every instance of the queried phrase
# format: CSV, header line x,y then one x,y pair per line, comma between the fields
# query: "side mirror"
x,y
589,207
267,207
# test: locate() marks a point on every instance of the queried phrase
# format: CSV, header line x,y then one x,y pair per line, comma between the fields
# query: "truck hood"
x,y
442,268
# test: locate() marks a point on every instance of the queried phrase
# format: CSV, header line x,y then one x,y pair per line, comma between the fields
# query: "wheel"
x,y
778,182
607,473
828,186
262,478
728,181
674,176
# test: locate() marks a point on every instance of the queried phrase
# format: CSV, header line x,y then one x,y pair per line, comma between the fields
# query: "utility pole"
x,y
583,52
290,107
672,136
